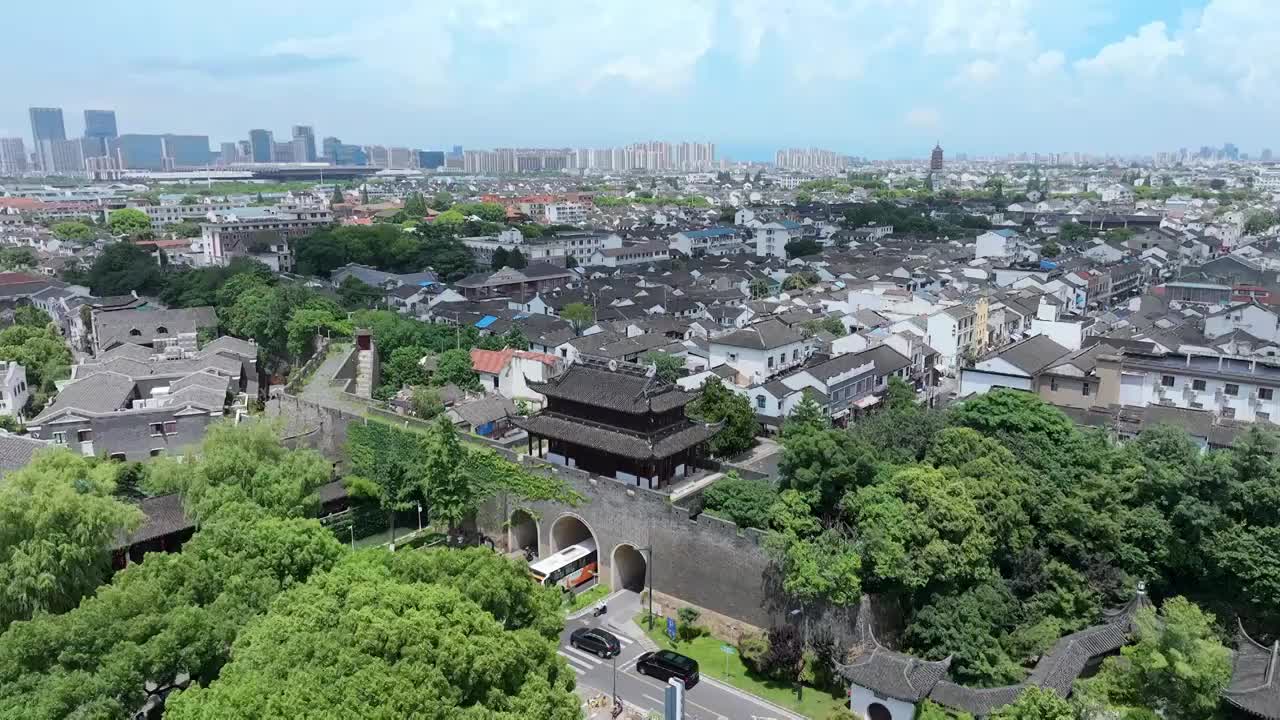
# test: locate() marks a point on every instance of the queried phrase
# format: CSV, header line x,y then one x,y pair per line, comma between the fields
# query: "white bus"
x,y
570,567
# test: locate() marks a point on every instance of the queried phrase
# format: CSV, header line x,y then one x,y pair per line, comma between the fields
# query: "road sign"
x,y
671,628
727,649
674,705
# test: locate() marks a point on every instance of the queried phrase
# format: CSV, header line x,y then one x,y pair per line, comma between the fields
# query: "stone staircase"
x,y
364,373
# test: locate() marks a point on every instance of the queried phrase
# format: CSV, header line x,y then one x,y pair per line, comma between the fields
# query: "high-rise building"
x,y
66,156
935,159
99,131
228,154
1230,151
378,155
13,156
1266,155
262,145
430,159
245,151
400,158
304,137
46,128
332,147
139,152
186,151
282,152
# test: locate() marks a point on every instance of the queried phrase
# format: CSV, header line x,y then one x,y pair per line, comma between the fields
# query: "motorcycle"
x,y
530,553
600,610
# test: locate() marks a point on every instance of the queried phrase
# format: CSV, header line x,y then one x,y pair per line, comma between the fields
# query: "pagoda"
x,y
619,420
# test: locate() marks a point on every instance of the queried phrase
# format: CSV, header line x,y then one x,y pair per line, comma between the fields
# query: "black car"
x,y
596,641
665,665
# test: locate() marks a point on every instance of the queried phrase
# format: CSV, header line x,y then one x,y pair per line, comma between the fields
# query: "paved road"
x,y
708,700
320,388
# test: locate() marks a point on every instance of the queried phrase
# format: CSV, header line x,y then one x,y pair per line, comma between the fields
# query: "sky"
x,y
876,78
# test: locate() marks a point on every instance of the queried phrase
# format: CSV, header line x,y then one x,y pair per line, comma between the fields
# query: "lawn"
x,y
591,596
711,659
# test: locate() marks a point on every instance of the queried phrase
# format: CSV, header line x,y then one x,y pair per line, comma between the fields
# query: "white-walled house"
x,y
772,238
1257,320
759,351
504,372
951,332
1002,243
14,391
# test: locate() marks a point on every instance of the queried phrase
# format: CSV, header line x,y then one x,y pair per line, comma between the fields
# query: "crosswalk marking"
x,y
589,658
573,661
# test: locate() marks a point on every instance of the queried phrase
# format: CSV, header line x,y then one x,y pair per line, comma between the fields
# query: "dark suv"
x,y
596,641
665,665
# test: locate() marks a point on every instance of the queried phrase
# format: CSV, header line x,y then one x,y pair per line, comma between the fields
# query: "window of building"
x,y
795,355
1228,412
157,429
760,401
1167,380
135,332
733,357
162,330
1085,389
495,382
782,358
1266,393
1264,417
84,435
770,362
118,457
60,437
1231,389
157,452
1053,384
1198,385
170,427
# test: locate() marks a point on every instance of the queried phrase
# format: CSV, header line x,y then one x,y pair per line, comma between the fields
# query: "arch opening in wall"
x,y
629,567
876,711
522,531
569,529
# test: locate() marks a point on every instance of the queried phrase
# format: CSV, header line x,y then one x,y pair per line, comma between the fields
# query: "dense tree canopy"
x,y
35,343
58,522
441,633
122,268
130,223
718,404
73,230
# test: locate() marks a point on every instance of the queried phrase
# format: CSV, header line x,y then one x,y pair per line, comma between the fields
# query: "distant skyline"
x,y
876,78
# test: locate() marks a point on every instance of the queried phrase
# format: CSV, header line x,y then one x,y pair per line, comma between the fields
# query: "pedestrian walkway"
x,y
582,662
321,388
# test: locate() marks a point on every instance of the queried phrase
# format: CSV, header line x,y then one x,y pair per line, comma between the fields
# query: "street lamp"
x,y
419,518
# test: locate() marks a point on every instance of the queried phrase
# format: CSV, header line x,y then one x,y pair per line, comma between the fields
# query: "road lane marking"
x,y
586,656
573,661
661,703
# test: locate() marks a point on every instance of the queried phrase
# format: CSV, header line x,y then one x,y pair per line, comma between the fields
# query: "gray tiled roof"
x,y
16,450
115,327
635,446
99,393
1254,687
1033,354
627,390
760,336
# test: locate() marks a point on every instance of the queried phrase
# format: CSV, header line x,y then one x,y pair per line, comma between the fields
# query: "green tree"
x,y
454,367
123,267
746,502
184,229
816,563
1176,667
760,287
516,259
403,367
337,198
59,522
801,247
18,258
499,259
441,201
1050,249
443,253
356,294
1072,233
922,530
73,230
822,462
426,402
450,218
415,206
130,223
968,627
308,322
468,624
35,343
718,404
172,613
580,315
806,413
669,367
1258,222
1036,703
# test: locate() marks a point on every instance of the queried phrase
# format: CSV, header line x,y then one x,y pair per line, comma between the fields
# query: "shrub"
x,y
753,648
786,652
745,502
687,629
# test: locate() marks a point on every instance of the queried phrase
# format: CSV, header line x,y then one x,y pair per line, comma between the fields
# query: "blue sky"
x,y
880,78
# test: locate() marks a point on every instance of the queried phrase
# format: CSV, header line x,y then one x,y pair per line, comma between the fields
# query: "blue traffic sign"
x,y
671,628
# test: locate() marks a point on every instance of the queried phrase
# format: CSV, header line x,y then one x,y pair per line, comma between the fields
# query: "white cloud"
x,y
990,27
978,72
1143,53
923,118
1047,62
1237,40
